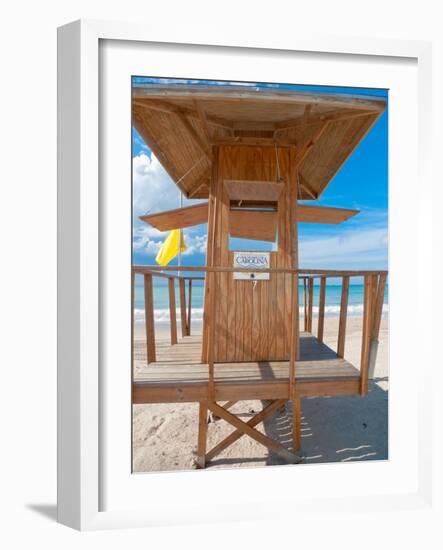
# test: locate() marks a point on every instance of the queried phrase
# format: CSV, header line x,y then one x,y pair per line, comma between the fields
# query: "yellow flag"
x,y
169,249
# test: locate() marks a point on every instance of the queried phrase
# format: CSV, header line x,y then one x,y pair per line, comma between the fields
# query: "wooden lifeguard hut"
x,y
252,153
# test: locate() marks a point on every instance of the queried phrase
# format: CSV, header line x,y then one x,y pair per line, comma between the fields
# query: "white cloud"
x,y
196,244
365,247
154,191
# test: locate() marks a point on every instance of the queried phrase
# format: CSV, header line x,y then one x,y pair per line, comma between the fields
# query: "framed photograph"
x,y
239,258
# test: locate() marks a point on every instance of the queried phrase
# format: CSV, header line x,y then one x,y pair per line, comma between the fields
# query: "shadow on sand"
x,y
336,429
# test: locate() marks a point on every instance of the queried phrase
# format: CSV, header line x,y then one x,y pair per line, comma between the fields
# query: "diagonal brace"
x,y
245,428
236,434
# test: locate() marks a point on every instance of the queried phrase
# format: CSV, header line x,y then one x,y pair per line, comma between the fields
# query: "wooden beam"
x,y
142,127
254,125
149,319
237,434
343,316
334,116
368,309
213,205
191,393
229,404
310,302
189,306
250,190
296,424
203,120
321,309
204,180
178,218
271,444
306,114
202,433
204,146
250,95
377,315
307,187
217,269
211,336
253,224
309,144
183,321
169,108
293,335
172,311
196,214
250,141
379,305
324,214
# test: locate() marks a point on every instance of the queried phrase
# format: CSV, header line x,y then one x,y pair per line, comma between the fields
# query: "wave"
x,y
162,315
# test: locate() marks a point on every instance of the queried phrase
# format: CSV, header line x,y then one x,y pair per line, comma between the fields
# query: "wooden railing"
x,y
185,308
374,289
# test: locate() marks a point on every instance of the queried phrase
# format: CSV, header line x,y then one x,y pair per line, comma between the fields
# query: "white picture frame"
x,y
81,438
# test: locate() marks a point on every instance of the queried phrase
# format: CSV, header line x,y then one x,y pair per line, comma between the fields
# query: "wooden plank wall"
x,y
252,319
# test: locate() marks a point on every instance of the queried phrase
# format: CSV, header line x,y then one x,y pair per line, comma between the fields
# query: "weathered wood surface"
x,y
321,309
180,123
178,375
252,224
343,317
259,190
172,311
236,434
183,316
324,214
178,218
197,214
255,316
149,318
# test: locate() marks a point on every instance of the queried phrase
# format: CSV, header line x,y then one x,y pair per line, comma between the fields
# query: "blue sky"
x,y
362,183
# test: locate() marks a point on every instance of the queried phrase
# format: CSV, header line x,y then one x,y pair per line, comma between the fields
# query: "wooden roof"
x,y
180,123
198,214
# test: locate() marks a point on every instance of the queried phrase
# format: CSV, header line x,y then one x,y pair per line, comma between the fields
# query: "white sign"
x,y
255,260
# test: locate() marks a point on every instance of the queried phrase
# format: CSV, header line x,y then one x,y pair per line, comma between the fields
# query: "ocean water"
x,y
332,306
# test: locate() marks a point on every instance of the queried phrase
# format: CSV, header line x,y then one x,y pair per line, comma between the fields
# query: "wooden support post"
x,y
202,433
235,435
343,317
310,302
321,309
211,339
368,308
377,315
172,311
255,434
229,404
293,344
293,352
305,301
189,306
149,318
132,322
213,205
296,424
183,321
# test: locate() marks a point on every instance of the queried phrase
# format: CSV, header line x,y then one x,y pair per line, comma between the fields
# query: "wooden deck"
x,y
179,376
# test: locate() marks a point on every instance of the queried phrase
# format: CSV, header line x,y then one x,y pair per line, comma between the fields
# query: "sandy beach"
x,y
339,429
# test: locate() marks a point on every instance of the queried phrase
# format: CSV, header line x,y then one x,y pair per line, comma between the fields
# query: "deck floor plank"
x,y
179,375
